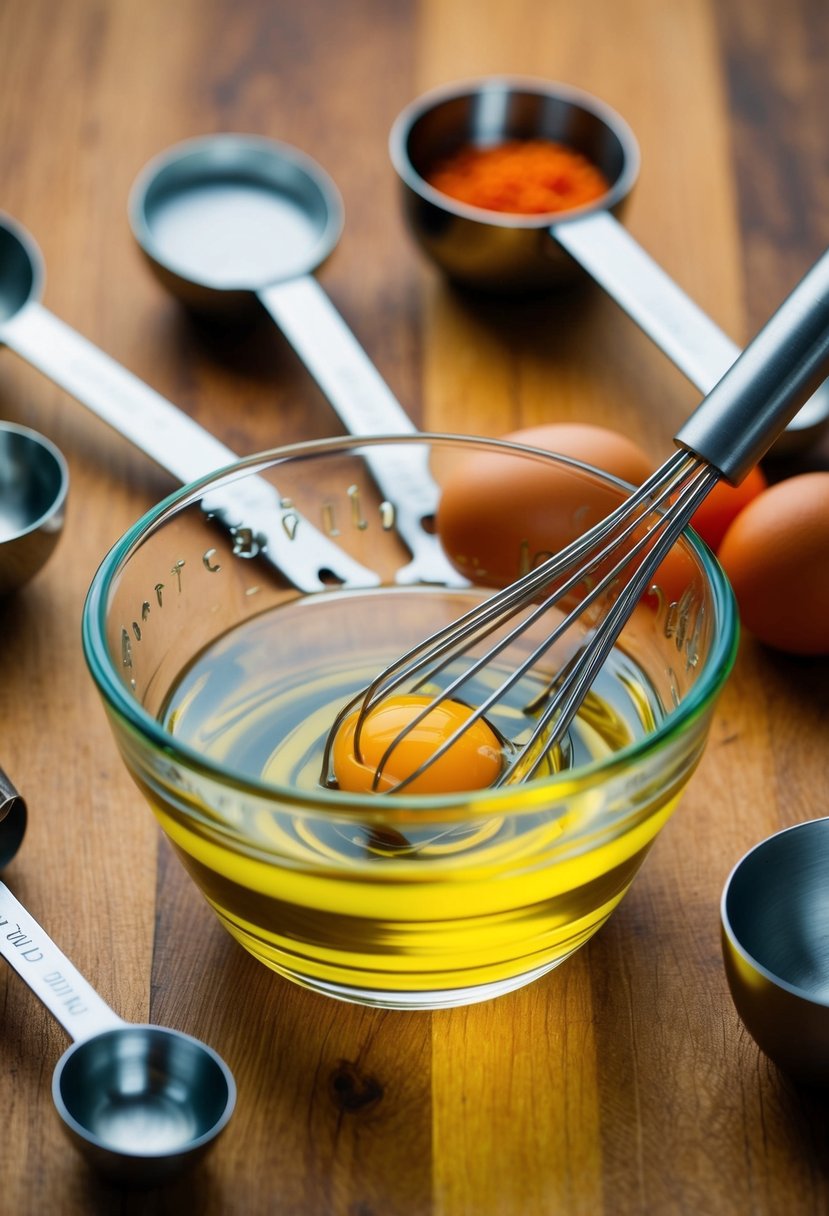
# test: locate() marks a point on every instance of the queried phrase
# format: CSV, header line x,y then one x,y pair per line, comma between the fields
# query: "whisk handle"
x,y
740,418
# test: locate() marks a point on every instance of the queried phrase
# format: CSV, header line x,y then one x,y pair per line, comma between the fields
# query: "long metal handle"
x,y
365,405
743,414
27,947
678,326
173,440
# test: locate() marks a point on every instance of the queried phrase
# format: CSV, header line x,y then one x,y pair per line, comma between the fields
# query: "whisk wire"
x,y
516,595
585,664
571,680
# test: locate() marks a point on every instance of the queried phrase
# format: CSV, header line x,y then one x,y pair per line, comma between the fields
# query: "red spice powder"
x,y
522,176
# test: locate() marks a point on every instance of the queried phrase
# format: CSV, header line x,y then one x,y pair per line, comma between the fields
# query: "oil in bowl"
x,y
221,695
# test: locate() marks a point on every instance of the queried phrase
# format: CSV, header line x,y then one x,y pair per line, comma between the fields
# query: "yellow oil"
x,y
413,908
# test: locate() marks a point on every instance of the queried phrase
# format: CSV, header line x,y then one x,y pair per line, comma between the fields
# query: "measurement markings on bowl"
x,y
248,543
682,619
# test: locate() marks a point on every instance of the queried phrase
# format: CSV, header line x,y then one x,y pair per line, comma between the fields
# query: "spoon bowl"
x,y
220,218
34,481
13,817
775,941
22,273
141,1102
492,250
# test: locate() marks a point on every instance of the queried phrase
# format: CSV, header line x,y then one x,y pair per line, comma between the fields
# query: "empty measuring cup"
x,y
309,558
13,817
229,221
140,1102
500,251
34,481
775,928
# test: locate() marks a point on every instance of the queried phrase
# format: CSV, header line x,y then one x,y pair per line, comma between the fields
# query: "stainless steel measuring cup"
x,y
34,481
13,817
774,918
229,221
504,252
153,424
141,1102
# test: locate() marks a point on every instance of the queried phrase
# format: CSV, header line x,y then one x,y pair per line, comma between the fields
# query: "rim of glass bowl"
x,y
493,800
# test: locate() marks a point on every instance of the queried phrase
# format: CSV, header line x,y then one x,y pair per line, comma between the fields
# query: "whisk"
x,y
611,565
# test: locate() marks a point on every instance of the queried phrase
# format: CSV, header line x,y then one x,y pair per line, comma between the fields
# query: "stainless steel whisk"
x,y
612,564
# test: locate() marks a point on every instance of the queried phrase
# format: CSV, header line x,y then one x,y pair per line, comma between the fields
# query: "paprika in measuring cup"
x,y
520,176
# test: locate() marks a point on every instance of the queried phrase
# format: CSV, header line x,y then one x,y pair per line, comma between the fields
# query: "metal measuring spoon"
x,y
140,1102
13,818
34,482
153,424
229,220
500,251
774,920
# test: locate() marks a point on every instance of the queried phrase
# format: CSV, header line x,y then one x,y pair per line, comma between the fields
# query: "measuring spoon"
x,y
227,221
141,1102
13,818
154,425
34,482
499,251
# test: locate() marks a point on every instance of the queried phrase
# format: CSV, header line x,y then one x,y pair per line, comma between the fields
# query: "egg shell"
x,y
721,506
600,446
500,514
776,555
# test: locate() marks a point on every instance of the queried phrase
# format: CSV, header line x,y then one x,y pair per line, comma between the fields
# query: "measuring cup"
x,y
140,1102
12,820
34,482
154,425
498,251
229,221
774,921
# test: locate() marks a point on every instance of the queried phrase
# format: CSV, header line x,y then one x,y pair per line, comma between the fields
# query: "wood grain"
x,y
623,1082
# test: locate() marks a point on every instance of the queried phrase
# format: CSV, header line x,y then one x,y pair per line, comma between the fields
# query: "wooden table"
x,y
623,1082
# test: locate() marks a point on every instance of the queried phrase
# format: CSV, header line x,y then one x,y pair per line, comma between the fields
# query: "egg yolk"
x,y
474,760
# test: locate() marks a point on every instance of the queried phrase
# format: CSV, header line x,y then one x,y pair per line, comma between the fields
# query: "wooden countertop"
x,y
622,1082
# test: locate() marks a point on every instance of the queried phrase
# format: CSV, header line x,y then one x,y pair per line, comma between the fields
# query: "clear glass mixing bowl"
x,y
220,675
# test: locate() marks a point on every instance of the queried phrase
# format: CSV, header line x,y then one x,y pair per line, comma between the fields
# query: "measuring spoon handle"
x,y
366,406
738,420
166,434
686,334
679,327
173,440
26,946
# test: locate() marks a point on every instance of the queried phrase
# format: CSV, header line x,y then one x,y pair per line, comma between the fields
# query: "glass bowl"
x,y
221,676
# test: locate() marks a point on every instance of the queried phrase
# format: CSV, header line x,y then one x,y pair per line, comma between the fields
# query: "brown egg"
x,y
500,515
600,446
776,554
